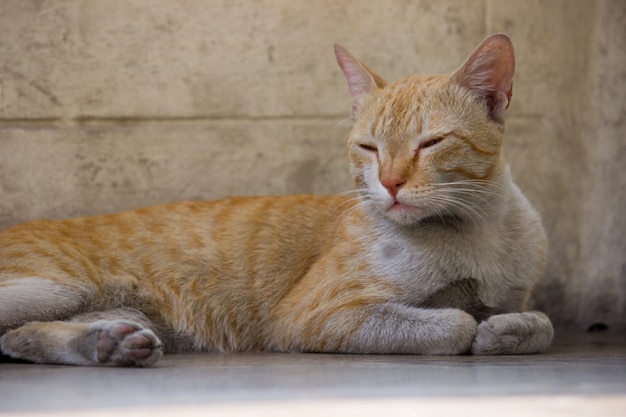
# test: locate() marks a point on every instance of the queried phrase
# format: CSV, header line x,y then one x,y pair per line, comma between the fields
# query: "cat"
x,y
436,252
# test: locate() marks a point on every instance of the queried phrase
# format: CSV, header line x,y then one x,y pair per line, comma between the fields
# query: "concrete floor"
x,y
582,376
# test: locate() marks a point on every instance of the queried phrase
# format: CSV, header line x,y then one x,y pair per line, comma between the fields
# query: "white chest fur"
x,y
503,257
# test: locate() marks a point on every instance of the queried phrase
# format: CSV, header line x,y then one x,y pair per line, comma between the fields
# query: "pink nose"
x,y
393,183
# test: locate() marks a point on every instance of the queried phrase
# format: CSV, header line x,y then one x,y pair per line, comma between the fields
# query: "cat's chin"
x,y
404,214
409,215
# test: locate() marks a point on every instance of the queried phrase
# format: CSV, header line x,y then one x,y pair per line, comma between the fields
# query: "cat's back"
x,y
248,229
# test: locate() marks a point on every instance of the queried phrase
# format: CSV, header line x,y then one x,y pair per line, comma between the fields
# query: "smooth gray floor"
x,y
581,367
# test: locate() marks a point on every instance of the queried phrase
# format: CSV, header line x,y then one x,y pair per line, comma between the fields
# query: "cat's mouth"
x,y
397,205
402,209
402,213
405,213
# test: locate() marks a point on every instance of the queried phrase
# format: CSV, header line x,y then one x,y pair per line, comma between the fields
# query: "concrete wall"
x,y
110,105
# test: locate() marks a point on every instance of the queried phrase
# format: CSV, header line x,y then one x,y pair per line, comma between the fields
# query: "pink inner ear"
x,y
359,81
488,72
509,94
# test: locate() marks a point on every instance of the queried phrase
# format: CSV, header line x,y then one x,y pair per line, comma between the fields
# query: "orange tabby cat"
x,y
438,240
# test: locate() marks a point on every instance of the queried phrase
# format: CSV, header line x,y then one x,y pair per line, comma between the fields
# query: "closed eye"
x,y
432,142
369,148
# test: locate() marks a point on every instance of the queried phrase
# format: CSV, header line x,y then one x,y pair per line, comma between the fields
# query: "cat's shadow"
x,y
461,294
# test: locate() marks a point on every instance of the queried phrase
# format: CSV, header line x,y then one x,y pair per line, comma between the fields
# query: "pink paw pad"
x,y
125,344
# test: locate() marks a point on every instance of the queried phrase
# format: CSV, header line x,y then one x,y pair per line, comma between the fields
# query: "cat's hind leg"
x,y
26,299
513,334
109,338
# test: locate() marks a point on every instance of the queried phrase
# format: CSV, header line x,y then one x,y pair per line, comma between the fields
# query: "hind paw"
x,y
125,343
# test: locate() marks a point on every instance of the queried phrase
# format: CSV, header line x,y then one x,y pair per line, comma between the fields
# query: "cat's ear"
x,y
361,80
488,72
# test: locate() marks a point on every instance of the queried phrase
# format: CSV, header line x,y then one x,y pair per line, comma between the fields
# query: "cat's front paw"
x,y
452,332
513,334
125,343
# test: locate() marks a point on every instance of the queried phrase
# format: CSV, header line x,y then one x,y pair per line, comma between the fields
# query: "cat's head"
x,y
430,146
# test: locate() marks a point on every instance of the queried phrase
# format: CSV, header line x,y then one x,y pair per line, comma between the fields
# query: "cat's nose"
x,y
393,184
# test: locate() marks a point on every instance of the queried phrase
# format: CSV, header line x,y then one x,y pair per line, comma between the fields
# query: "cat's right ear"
x,y
361,80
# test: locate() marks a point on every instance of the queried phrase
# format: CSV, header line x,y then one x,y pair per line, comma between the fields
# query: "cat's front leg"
x,y
513,334
377,328
398,329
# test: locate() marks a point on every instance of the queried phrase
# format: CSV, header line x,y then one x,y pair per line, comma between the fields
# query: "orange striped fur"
x,y
435,252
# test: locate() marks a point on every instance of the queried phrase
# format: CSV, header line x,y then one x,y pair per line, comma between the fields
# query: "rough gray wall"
x,y
111,105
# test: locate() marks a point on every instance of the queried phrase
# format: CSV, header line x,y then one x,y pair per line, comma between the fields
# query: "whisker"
x,y
478,184
467,209
350,210
356,190
343,122
359,191
359,205
483,197
441,214
348,201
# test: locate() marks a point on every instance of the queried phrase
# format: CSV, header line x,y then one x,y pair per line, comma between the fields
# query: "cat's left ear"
x,y
361,80
488,72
